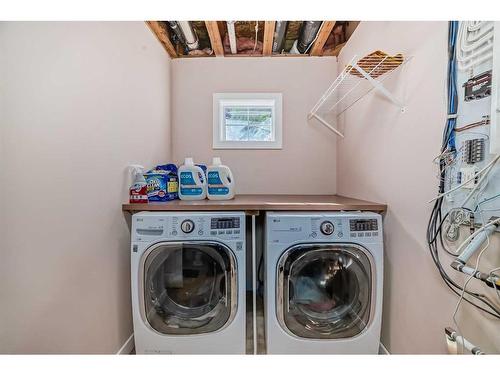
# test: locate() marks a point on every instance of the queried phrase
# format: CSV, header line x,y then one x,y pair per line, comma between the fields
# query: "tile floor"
x,y
261,339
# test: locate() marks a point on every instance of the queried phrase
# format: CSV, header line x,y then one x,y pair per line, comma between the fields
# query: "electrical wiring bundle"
x,y
435,228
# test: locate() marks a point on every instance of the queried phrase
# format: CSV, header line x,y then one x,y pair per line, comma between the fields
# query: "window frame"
x,y
247,99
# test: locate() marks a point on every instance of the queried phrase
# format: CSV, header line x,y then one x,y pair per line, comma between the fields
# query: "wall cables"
x,y
434,240
449,133
465,288
436,220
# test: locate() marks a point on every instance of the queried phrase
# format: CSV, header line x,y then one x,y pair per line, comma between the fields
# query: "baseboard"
x,y
128,346
382,349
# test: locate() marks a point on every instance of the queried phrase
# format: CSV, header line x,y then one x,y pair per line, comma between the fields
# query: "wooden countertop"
x,y
263,202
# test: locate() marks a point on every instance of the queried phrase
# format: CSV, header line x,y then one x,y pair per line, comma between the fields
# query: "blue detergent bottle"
x,y
192,181
220,181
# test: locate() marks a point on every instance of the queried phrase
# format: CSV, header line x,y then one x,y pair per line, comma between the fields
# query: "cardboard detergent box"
x,y
163,183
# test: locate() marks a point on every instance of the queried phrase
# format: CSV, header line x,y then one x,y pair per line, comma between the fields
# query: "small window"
x,y
250,120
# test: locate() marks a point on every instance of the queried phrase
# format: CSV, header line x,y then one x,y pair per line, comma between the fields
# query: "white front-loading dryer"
x,y
324,274
188,282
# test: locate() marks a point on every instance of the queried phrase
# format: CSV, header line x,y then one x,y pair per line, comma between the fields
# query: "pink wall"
x,y
305,165
93,97
79,102
386,156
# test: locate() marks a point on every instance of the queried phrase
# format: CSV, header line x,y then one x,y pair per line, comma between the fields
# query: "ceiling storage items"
x,y
183,39
357,79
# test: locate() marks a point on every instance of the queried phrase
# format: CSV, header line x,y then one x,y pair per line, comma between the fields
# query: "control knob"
x,y
187,226
327,228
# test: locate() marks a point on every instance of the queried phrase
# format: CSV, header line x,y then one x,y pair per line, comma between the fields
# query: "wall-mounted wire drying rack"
x,y
357,79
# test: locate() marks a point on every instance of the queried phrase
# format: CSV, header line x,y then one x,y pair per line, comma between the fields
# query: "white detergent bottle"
x,y
192,181
220,181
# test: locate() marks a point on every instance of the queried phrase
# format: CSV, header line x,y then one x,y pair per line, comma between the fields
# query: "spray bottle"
x,y
139,188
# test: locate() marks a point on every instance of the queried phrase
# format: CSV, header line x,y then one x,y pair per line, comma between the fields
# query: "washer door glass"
x,y
189,287
324,291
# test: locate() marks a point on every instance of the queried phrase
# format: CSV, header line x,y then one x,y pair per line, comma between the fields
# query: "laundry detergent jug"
x,y
220,181
192,181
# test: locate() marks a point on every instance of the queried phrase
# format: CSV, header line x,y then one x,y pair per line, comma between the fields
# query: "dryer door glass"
x,y
325,291
189,287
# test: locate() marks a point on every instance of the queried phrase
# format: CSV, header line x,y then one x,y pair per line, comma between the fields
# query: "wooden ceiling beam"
x,y
267,49
323,34
161,33
215,39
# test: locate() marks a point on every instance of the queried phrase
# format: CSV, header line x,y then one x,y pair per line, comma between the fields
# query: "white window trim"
x,y
219,99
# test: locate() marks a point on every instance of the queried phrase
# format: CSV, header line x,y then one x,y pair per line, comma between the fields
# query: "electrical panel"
x,y
477,132
469,168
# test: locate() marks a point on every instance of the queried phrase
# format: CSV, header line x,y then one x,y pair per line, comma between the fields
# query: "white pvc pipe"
x,y
477,232
232,37
475,244
189,35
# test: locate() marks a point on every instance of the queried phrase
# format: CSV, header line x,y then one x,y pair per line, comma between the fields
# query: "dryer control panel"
x,y
363,228
335,227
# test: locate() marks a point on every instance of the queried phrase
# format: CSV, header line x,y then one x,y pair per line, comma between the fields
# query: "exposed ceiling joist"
x,y
330,38
323,34
215,39
268,38
161,33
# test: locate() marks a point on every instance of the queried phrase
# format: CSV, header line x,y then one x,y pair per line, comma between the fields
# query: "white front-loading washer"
x,y
324,275
188,282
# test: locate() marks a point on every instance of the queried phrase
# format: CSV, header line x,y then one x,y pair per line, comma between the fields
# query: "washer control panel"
x,y
225,223
363,225
222,226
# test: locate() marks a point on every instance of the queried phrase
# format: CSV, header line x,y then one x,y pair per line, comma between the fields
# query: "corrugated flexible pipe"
x,y
279,36
307,35
177,31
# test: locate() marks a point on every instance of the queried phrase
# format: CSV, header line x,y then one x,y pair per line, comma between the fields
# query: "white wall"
x,y
386,156
305,165
79,101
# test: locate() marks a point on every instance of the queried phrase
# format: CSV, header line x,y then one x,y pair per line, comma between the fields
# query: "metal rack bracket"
x,y
357,79
379,87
